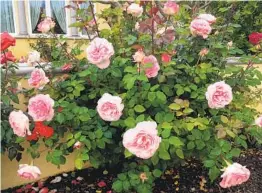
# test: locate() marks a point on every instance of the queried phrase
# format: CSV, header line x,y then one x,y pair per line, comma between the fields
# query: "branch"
x,y
94,17
112,3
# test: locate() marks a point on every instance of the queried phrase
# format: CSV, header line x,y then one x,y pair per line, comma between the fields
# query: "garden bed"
x,y
192,177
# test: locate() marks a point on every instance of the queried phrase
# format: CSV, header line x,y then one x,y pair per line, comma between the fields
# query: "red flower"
x,y
6,41
8,56
60,109
44,190
40,130
101,184
255,38
166,57
75,182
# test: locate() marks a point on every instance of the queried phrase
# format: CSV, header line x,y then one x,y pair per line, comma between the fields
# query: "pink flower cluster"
x,y
46,25
171,8
201,25
219,95
148,63
38,78
234,174
99,52
28,172
135,10
20,123
110,107
142,140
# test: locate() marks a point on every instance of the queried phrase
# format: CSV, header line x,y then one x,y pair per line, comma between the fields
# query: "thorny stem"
x,y
87,34
6,68
94,17
152,29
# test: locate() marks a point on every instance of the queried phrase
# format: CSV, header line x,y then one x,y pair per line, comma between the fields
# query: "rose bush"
x,y
153,91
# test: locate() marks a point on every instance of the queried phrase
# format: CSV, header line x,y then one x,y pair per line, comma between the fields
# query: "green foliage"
x,y
174,99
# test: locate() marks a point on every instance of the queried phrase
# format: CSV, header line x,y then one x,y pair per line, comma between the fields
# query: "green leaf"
x,y
190,145
71,142
224,119
166,133
209,163
85,73
117,186
213,173
130,122
175,141
161,96
69,136
155,159
174,106
78,134
179,91
116,72
127,153
188,110
85,156
79,163
180,153
235,152
139,108
163,154
99,133
151,96
200,144
60,117
157,173
122,177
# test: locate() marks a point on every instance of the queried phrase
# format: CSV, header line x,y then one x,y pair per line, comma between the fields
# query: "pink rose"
x,y
208,17
19,123
99,52
135,10
45,25
40,107
142,140
138,56
77,145
171,8
67,67
203,52
166,57
200,27
154,67
259,121
110,107
234,174
28,172
38,78
219,95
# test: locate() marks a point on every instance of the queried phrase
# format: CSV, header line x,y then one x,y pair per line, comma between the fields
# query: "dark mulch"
x,y
190,178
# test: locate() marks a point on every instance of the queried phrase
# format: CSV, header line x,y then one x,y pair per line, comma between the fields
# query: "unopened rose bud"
x,y
77,145
203,52
143,177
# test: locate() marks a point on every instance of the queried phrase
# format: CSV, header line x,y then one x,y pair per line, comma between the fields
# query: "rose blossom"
x,y
151,71
110,107
19,123
45,25
40,107
67,67
6,41
33,57
166,57
142,140
77,145
8,56
219,95
138,56
28,172
171,8
99,52
135,10
200,27
38,78
259,121
203,52
255,38
208,17
234,174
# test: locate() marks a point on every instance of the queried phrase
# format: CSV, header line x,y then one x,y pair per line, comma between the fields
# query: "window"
x,y
21,17
42,8
7,16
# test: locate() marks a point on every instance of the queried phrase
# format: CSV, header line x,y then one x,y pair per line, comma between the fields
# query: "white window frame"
x,y
14,18
27,17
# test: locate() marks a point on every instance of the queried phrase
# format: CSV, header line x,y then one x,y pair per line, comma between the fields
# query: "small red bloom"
x,y
255,38
44,190
33,136
40,130
28,186
20,190
60,109
166,57
8,56
75,182
101,184
6,41
40,184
